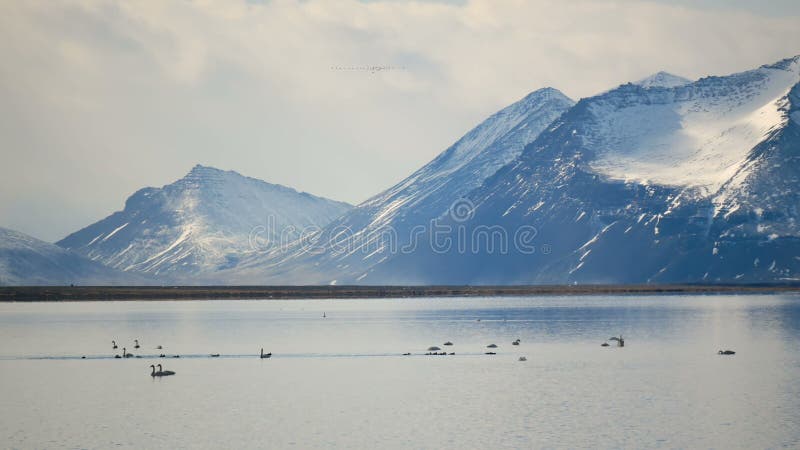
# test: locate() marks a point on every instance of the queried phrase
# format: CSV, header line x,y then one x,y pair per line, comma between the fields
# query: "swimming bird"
x,y
522,358
164,373
490,353
491,346
406,354
136,342
433,349
448,343
114,344
265,355
215,355
125,354
515,342
158,348
153,372
726,352
604,344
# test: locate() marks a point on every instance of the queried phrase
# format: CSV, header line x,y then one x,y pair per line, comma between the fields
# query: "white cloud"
x,y
99,98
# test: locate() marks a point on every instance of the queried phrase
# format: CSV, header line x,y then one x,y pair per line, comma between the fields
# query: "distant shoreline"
x,y
132,293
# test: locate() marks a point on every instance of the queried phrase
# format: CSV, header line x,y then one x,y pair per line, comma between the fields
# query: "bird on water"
x,y
163,373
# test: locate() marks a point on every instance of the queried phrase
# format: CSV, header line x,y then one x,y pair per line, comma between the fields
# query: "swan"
x,y
515,342
136,342
114,344
433,349
125,353
522,358
491,346
726,352
604,344
448,343
215,355
158,348
490,353
265,355
153,373
164,373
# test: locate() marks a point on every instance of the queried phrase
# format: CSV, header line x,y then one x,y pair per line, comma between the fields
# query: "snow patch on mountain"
x,y
696,135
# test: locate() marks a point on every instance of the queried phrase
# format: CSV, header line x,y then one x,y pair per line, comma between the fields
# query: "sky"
x,y
101,98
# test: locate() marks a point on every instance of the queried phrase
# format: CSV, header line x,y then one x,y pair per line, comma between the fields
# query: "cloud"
x,y
100,98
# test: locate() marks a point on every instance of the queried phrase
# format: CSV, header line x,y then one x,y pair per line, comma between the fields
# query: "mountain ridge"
x,y
594,226
25,260
203,221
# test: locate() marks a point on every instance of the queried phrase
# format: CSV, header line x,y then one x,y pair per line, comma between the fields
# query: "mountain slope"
x,y
200,224
696,182
25,260
350,246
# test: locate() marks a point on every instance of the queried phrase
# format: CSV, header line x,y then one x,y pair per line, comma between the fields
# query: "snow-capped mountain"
x,y
199,224
350,246
685,182
27,261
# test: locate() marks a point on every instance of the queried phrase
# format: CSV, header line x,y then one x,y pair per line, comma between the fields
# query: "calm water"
x,y
342,381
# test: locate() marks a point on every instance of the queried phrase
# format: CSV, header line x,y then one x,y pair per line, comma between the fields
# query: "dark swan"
x,y
114,344
136,342
164,373
265,355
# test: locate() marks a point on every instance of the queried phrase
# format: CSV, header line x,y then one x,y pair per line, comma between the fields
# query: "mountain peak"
x,y
201,171
790,64
662,79
199,223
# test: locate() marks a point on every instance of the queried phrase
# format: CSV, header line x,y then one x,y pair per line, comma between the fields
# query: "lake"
x,y
342,380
